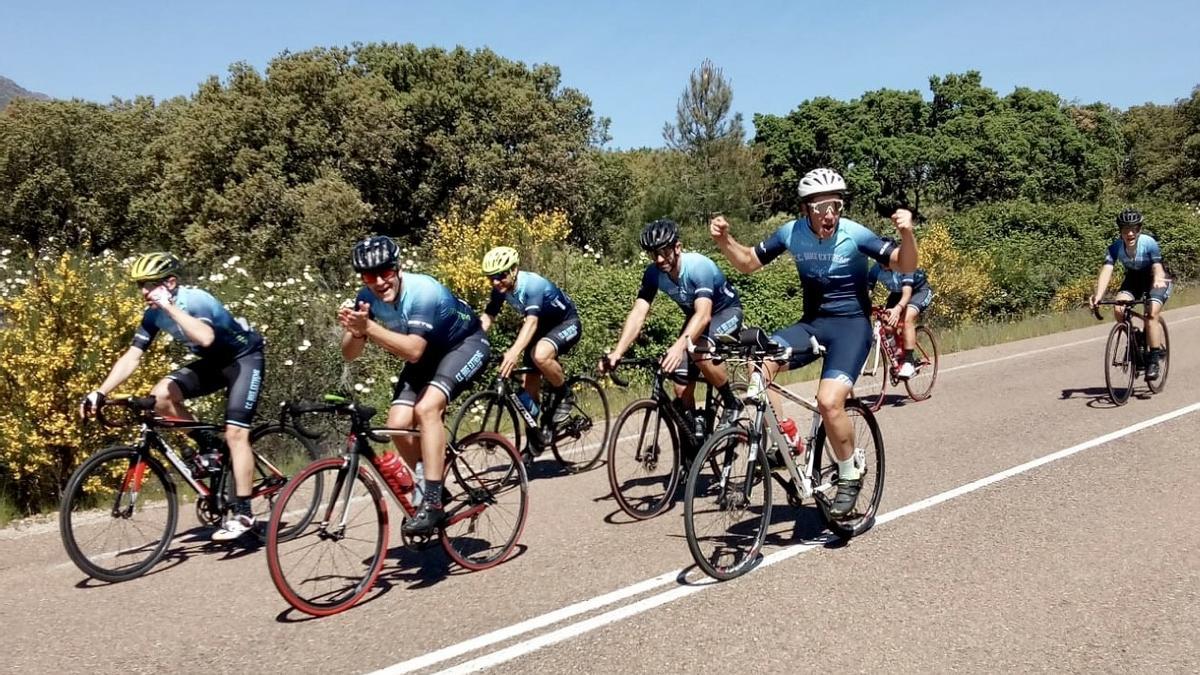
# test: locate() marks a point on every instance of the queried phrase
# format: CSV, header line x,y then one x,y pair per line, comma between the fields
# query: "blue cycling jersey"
x,y
699,277
534,295
424,308
896,281
833,271
1139,267
231,339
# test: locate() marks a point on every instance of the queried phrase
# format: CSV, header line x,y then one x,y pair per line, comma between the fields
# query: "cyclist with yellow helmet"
x,y
231,358
550,329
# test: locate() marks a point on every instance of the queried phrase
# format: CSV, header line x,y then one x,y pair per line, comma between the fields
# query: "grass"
x,y
8,510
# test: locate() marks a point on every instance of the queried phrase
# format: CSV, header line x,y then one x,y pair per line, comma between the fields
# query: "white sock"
x,y
847,470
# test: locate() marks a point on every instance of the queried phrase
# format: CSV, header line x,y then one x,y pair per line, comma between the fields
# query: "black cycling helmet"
x,y
1129,217
375,253
658,234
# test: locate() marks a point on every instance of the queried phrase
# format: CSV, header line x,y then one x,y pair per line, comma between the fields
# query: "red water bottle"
x,y
393,470
792,434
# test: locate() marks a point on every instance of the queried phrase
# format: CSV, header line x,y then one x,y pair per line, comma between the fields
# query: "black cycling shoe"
x,y
426,522
846,498
731,412
1152,368
563,412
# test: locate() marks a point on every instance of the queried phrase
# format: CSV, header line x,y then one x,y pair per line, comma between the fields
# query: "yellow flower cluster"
x,y
960,282
459,242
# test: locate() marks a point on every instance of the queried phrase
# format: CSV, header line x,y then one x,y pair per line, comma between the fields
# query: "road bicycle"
x,y
120,508
576,439
728,510
1127,352
325,563
653,442
887,344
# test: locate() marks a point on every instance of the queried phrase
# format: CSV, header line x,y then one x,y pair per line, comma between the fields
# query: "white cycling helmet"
x,y
819,181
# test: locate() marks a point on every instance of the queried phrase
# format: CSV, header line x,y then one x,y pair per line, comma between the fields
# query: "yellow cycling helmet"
x,y
500,259
155,266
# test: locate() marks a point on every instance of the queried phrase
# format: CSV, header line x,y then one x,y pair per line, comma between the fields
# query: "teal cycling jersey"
x,y
534,295
1139,267
699,277
833,271
424,308
231,338
896,281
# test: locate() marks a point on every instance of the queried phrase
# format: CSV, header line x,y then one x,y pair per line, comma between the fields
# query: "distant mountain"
x,y
10,90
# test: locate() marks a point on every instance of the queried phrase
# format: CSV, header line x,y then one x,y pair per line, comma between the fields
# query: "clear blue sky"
x,y
633,58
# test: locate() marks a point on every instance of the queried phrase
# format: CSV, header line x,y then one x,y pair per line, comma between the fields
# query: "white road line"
x,y
573,630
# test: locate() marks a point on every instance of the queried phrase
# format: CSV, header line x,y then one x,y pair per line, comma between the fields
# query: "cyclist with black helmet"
x,y
710,305
550,328
909,296
231,358
415,317
831,255
1145,273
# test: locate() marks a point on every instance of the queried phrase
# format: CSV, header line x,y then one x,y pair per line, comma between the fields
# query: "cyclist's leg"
x,y
245,379
1158,299
726,322
797,336
847,341
1118,310
196,379
413,379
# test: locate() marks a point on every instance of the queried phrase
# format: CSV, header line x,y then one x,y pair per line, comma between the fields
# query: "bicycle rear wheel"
x,y
118,514
920,385
488,411
643,460
727,511
868,443
873,394
1118,364
326,563
280,452
1164,361
579,440
485,493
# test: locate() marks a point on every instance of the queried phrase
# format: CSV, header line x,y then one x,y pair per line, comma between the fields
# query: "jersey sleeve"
x,y
770,248
649,284
364,295
871,244
422,316
146,331
1112,253
495,302
872,277
1153,252
535,294
205,307
705,279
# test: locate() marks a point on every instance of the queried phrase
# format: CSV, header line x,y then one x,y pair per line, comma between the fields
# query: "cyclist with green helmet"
x,y
231,358
550,328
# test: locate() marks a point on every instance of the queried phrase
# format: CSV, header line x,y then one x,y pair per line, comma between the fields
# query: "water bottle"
x,y
528,402
393,470
699,426
792,434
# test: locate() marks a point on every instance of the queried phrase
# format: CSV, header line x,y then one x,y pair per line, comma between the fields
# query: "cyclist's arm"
x,y
121,370
197,330
697,324
1102,281
408,347
906,292
352,347
1160,275
633,326
525,335
742,257
904,258
486,320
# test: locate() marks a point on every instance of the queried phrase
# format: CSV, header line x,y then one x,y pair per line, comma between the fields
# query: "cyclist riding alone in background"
x,y
1145,273
415,317
909,295
831,255
231,358
550,329
710,305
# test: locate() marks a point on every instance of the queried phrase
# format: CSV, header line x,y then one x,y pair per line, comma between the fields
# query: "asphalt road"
x,y
1027,525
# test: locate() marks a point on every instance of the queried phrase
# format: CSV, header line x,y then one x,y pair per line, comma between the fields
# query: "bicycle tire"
x,y
309,592
490,407
1164,361
279,452
484,482
920,385
825,473
874,400
580,425
646,467
1119,371
737,537
84,486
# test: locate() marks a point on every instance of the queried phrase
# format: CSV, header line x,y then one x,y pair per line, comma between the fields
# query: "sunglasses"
x,y
665,252
499,276
827,207
151,285
373,277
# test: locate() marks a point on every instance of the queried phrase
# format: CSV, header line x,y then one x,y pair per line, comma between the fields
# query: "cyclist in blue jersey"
x,y
415,317
909,296
831,255
710,305
231,358
1145,274
550,329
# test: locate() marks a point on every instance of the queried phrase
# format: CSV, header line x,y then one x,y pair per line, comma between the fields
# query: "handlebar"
x,y
142,406
647,363
360,415
1121,302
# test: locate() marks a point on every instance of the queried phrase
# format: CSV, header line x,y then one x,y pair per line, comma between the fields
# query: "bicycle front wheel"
x,y
325,563
118,514
485,493
279,452
579,439
643,460
868,456
727,505
920,385
1164,361
1118,364
488,411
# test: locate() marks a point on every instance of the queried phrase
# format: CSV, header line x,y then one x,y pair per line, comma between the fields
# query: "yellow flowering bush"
x,y
459,243
1075,294
65,320
960,281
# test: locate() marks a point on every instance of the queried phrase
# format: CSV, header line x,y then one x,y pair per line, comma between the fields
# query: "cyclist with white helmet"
x,y
231,358
1145,274
415,317
550,328
831,255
